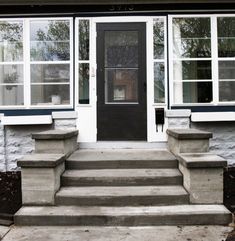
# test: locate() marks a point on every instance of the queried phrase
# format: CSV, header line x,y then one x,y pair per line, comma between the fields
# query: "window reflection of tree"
x,y
195,37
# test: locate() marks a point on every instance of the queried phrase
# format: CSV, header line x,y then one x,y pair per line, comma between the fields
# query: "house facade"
x,y
116,71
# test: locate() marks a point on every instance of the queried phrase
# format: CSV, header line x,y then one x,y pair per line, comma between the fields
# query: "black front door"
x,y
121,81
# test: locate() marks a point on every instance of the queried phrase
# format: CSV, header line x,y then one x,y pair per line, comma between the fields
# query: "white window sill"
x,y
26,120
212,116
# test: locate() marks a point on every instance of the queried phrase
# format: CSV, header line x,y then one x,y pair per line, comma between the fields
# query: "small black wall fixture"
x,y
159,118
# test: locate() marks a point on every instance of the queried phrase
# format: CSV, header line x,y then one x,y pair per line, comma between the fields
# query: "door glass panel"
x,y
121,66
121,85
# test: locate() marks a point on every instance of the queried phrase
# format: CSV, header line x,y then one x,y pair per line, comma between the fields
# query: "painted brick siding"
x,y
18,142
2,150
175,122
65,124
223,141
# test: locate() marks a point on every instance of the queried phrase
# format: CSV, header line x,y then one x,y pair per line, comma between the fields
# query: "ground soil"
x,y
10,192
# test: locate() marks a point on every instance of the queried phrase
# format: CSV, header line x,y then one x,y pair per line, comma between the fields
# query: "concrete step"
x,y
124,216
122,196
120,158
122,177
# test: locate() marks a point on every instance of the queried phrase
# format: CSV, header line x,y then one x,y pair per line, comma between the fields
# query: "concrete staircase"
x,y
123,187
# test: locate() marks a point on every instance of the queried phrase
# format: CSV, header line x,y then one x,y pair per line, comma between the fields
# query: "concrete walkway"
x,y
3,231
157,233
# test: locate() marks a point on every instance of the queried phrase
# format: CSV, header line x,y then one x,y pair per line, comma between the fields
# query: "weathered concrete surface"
x,y
189,134
121,158
122,177
124,216
200,160
203,177
3,231
122,196
121,154
205,185
161,233
39,185
188,140
56,141
184,146
41,160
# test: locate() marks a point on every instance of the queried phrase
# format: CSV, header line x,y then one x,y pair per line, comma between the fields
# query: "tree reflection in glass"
x,y
11,37
191,37
226,36
50,40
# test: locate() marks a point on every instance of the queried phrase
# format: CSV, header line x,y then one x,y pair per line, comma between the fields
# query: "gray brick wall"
x,y
18,142
66,124
181,122
223,141
2,150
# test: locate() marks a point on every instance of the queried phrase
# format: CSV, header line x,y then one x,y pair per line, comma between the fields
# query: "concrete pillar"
x,y
203,177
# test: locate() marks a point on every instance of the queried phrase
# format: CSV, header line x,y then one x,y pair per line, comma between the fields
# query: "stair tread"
x,y
120,155
122,211
121,191
112,173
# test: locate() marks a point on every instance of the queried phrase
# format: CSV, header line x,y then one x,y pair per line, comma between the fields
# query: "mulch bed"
x,y
10,195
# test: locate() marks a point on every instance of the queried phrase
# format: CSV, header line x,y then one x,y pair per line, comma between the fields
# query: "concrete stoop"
x,y
122,188
124,216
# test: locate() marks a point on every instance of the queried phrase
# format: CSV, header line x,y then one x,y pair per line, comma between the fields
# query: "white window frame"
x,y
92,70
27,62
171,61
16,62
214,60
164,60
87,123
217,59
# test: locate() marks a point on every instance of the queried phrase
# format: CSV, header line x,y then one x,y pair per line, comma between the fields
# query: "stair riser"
x,y
151,220
123,201
81,165
112,181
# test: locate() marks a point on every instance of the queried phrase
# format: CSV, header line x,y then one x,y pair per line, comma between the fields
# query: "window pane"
x,y
226,36
227,70
50,73
50,94
159,83
121,85
84,39
158,38
121,49
83,83
191,37
192,70
226,91
11,95
193,92
11,73
11,37
50,40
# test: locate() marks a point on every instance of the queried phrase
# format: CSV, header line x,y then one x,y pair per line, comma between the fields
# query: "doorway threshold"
x,y
122,145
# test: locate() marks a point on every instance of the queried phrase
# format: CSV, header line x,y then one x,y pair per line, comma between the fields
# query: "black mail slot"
x,y
160,116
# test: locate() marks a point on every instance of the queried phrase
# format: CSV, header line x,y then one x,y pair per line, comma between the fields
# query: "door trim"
x,y
90,111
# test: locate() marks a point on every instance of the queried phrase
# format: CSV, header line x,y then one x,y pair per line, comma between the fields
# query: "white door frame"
x,y
87,114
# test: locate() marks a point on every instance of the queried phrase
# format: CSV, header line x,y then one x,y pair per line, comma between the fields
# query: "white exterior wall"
x,y
16,141
178,119
223,141
2,150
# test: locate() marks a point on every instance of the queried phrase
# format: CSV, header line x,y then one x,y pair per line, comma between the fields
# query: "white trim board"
x,y
26,120
212,116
